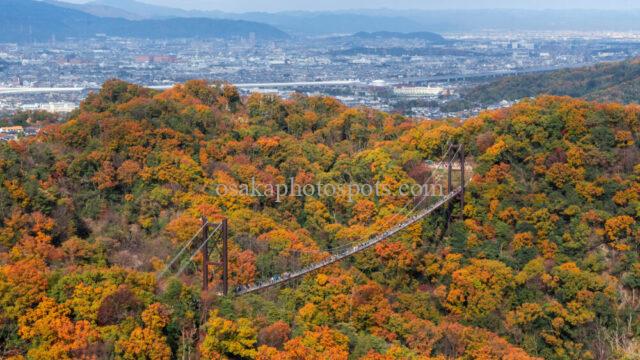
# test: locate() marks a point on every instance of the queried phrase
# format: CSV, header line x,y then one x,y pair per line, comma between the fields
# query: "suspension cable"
x,y
349,244
175,258
423,198
333,252
198,250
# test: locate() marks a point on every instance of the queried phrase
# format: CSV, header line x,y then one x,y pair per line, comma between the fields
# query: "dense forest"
x,y
604,82
542,262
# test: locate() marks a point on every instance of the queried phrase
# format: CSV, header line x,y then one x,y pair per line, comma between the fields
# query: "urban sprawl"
x,y
413,77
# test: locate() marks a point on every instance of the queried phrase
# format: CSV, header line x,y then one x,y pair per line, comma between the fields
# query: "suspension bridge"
x,y
217,233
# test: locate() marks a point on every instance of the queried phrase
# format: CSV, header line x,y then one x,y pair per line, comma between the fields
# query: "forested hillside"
x,y
606,82
544,265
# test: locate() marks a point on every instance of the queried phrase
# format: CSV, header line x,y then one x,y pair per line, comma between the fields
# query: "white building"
x,y
378,83
418,91
53,107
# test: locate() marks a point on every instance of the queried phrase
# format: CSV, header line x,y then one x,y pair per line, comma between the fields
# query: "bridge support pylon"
x,y
205,255
462,180
222,230
225,257
458,155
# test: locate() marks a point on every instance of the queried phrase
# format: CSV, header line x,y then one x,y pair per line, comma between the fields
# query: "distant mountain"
x,y
97,10
423,35
607,82
27,20
400,51
326,23
385,20
299,22
352,21
145,10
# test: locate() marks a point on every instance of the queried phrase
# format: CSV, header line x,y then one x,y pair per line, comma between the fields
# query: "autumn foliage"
x,y
542,262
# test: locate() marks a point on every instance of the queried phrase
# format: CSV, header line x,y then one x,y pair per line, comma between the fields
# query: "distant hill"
x,y
145,10
97,9
400,51
324,23
26,21
299,22
352,21
423,35
610,82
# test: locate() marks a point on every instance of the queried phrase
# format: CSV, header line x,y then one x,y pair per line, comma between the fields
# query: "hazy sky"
x,y
279,5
